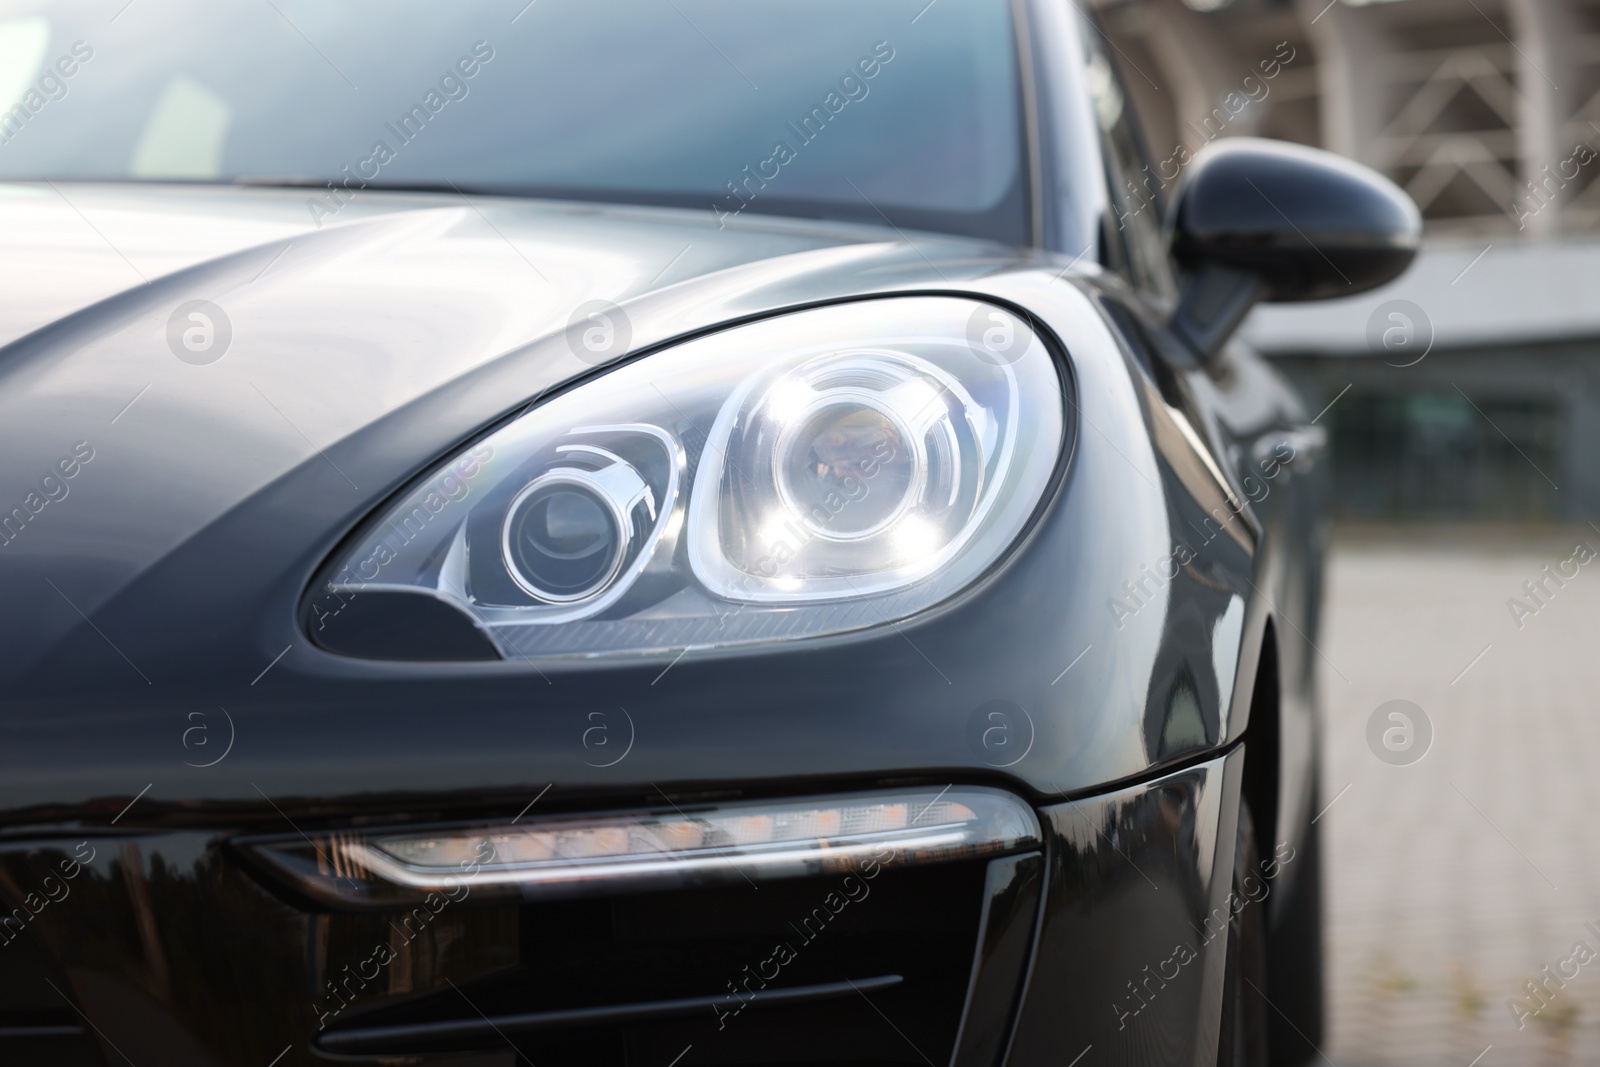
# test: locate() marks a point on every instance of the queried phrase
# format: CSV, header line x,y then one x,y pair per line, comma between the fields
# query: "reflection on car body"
x,y
719,535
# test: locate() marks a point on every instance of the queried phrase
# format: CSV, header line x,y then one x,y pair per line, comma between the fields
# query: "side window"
x,y
1136,203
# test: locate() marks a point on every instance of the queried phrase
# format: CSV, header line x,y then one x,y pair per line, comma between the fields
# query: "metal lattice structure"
x,y
1486,111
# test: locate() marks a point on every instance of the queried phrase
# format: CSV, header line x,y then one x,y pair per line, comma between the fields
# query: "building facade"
x,y
1470,388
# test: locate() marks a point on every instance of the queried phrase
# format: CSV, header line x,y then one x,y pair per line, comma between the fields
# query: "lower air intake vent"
x,y
837,969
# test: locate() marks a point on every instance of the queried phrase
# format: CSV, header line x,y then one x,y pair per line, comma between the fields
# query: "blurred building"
x,y
1471,387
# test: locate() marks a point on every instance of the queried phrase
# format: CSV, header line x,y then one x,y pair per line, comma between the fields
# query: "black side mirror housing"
x,y
1266,220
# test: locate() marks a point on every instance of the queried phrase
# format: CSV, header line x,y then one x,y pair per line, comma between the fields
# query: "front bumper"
x,y
168,947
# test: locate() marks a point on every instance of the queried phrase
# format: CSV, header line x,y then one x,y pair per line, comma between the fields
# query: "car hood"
x,y
357,353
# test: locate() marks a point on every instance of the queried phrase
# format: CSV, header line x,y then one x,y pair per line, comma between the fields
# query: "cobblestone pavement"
x,y
1454,880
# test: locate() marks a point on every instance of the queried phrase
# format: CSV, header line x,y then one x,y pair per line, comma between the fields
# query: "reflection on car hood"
x,y
332,329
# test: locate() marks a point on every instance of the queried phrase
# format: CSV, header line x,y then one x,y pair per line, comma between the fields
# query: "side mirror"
x,y
1266,220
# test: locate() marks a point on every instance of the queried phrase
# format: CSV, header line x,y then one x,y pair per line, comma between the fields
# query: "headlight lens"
x,y
740,842
809,473
567,532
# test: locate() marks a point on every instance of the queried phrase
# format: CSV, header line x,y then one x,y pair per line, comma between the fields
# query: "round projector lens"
x,y
848,469
563,540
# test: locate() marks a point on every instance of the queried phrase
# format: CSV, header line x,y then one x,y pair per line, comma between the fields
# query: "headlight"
x,y
809,473
739,842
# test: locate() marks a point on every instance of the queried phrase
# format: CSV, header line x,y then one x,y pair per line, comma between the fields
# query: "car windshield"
x,y
863,110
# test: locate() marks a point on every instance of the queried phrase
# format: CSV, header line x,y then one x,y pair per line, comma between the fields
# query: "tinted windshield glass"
x,y
852,109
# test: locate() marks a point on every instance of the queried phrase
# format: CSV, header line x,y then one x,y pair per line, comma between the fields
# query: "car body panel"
x,y
162,696
1135,876
1109,957
333,329
188,617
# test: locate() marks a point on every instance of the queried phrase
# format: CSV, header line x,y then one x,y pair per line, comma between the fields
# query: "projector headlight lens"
x,y
761,483
852,473
845,442
568,531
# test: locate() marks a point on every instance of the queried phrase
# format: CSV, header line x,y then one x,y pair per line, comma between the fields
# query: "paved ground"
x,y
1455,879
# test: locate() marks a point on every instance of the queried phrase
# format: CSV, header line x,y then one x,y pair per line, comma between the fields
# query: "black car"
x,y
657,534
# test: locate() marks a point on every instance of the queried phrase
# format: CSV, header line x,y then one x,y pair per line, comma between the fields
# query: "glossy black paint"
x,y
162,598
320,740
1139,884
1310,224
180,956
1127,953
491,1032
999,965
202,627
